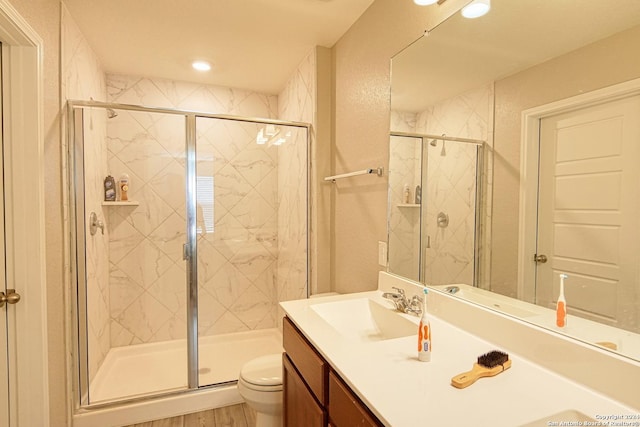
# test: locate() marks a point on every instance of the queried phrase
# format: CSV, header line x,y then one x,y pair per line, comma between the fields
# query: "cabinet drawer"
x,y
308,362
300,407
345,409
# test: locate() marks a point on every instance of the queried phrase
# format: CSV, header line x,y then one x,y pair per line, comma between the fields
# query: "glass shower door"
x,y
251,226
131,272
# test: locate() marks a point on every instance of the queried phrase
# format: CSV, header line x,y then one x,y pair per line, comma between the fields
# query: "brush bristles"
x,y
493,359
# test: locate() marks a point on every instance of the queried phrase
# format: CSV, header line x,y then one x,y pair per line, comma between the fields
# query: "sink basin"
x,y
365,320
558,418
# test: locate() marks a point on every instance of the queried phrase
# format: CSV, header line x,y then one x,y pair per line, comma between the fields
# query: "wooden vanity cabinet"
x,y
300,408
345,408
314,395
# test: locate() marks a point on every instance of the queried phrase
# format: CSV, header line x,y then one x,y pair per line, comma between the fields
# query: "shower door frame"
x,y
78,245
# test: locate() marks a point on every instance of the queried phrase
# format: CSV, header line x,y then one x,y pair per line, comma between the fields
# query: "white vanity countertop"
x,y
404,392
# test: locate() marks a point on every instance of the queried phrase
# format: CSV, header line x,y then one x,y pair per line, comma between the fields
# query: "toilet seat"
x,y
263,373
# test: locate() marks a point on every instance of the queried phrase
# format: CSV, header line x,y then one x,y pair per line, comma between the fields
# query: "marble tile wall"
x,y
296,103
83,79
238,262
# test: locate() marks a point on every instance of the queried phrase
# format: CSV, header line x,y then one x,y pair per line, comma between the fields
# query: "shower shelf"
x,y
408,205
120,203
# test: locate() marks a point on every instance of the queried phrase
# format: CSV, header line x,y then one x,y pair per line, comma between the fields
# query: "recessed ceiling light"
x,y
424,2
476,9
201,65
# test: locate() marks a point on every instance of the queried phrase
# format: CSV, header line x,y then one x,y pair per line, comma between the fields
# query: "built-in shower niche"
x,y
214,234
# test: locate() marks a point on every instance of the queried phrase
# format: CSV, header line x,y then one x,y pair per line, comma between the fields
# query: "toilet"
x,y
260,385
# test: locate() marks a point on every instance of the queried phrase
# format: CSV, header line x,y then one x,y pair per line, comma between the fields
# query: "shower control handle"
x,y
95,223
540,259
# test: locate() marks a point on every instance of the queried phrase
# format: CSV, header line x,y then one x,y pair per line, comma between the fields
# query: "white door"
x,y
589,209
24,399
4,312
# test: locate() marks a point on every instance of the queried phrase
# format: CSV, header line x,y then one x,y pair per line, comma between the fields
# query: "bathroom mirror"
x,y
538,106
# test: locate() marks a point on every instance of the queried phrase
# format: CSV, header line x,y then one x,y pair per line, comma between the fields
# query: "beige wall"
x,y
609,61
44,18
361,133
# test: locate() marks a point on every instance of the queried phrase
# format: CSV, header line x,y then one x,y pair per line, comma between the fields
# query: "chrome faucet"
x,y
404,305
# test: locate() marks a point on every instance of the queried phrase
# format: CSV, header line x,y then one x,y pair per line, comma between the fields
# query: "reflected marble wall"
x,y
405,158
450,184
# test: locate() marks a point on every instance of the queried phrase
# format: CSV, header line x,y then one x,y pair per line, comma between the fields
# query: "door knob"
x,y
10,298
540,259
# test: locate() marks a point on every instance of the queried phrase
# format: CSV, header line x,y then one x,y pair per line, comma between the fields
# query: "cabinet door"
x,y
345,409
308,362
300,407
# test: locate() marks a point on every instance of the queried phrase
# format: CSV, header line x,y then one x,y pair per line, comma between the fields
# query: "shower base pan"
x,y
145,369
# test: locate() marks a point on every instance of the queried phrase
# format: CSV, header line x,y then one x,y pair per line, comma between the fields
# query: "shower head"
x,y
111,113
433,142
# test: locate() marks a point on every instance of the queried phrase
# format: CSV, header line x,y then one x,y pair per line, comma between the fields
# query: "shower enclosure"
x,y
178,285
434,238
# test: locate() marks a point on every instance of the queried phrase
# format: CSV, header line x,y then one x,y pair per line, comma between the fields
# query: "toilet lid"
x,y
263,371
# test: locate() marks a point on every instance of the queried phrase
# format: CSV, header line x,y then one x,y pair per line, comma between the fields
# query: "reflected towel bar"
x,y
378,171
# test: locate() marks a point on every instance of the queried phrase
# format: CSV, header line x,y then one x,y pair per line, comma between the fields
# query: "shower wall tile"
x,y
238,246
144,317
83,79
297,103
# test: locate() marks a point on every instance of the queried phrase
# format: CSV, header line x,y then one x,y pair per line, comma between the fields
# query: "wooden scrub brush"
x,y
488,365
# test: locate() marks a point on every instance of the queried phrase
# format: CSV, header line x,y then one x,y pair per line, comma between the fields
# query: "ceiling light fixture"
x,y
201,65
476,9
424,2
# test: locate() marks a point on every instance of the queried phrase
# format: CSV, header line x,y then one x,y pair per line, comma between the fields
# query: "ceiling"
x,y
251,44
462,54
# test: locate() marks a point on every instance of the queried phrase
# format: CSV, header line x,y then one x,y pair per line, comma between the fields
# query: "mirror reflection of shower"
x,y
449,218
435,241
434,143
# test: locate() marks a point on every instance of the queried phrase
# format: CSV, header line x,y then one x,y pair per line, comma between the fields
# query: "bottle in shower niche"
x,y
418,199
123,184
109,189
406,194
